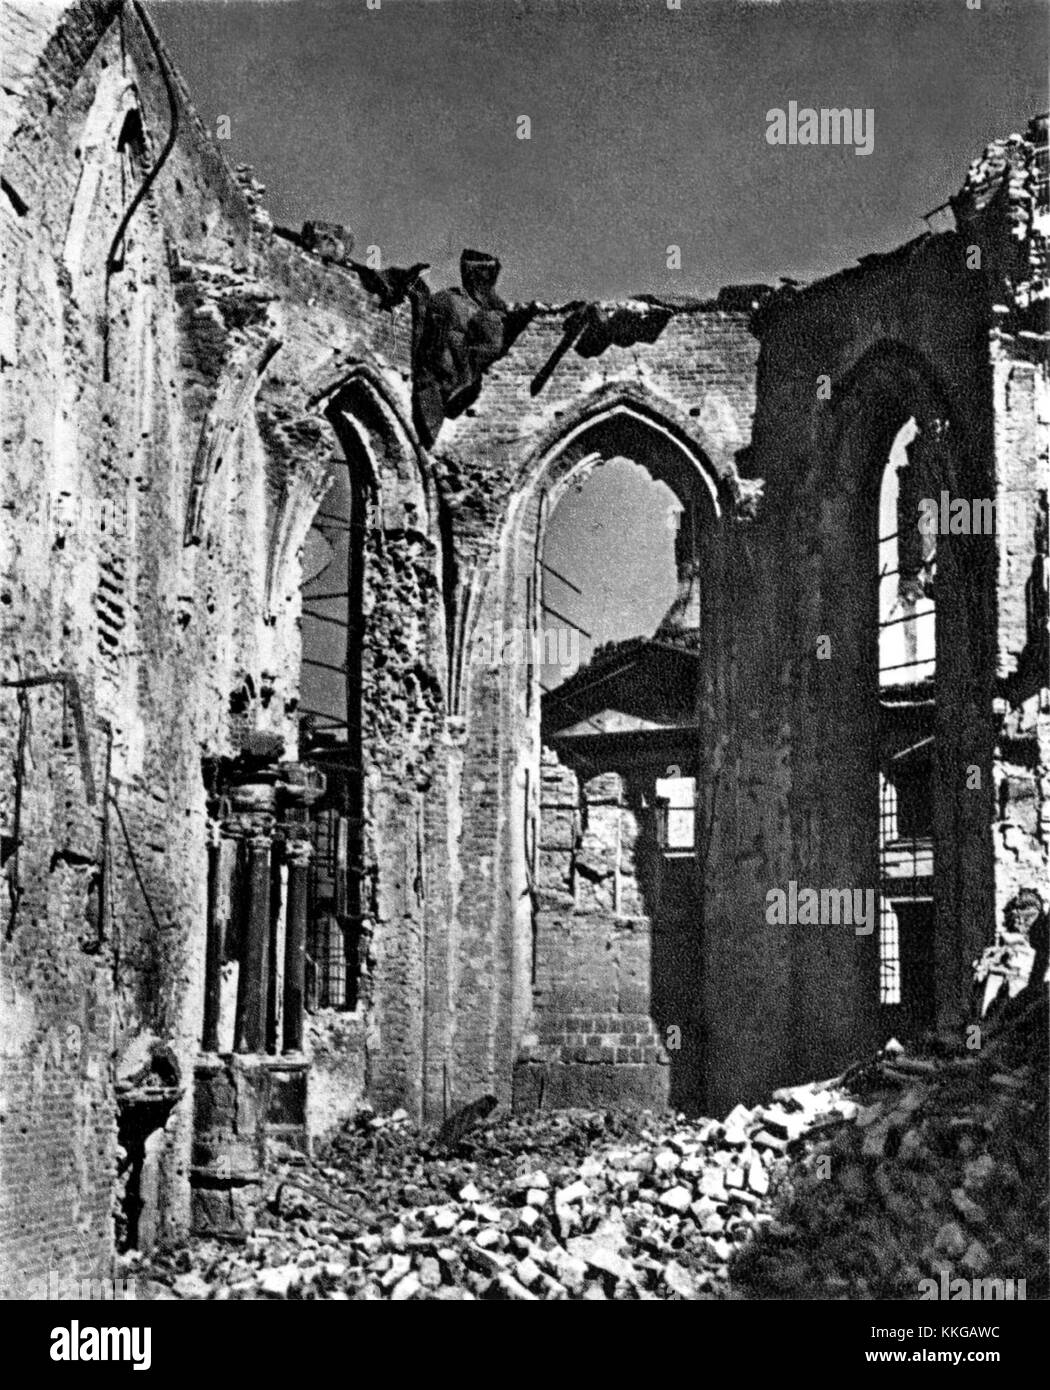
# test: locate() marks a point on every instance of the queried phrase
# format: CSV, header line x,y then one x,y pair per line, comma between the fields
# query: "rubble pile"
x,y
556,1205
901,1176
939,1181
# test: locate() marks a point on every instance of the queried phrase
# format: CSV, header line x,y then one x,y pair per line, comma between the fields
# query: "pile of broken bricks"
x,y
929,1164
569,1205
940,1181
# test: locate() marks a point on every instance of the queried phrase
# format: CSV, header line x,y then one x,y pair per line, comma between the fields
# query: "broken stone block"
x,y
406,1288
569,1269
575,1192
276,1282
488,1262
679,1280
531,1180
191,1285
444,1219
739,1117
551,1288
396,1269
597,1255
757,1178
711,1223
677,1199
506,1286
713,1184
765,1140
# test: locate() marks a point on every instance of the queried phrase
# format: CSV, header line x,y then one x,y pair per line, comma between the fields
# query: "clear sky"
x,y
648,126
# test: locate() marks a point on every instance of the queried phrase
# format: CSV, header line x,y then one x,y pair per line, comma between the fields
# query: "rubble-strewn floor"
x,y
819,1194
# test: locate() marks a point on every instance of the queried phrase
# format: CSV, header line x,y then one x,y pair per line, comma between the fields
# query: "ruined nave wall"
x,y
165,445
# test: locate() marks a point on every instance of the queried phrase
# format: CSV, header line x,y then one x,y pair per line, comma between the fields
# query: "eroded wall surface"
x,y
165,446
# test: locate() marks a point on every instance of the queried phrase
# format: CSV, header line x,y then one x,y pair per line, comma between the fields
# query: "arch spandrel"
x,y
631,409
367,424
626,422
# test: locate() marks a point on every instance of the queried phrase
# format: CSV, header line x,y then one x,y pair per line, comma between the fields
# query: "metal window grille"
x,y
906,655
889,929
326,938
889,954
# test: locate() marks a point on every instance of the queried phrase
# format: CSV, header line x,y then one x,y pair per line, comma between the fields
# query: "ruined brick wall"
x,y
912,333
595,1041
1003,209
789,743
165,445
1021,765
690,394
88,427
805,803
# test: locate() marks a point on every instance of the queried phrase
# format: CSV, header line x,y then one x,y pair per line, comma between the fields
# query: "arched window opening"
x,y
619,624
608,572
907,704
626,578
330,737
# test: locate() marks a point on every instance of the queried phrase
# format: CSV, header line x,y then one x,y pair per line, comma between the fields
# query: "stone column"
x,y
251,1003
252,804
301,787
298,853
213,948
